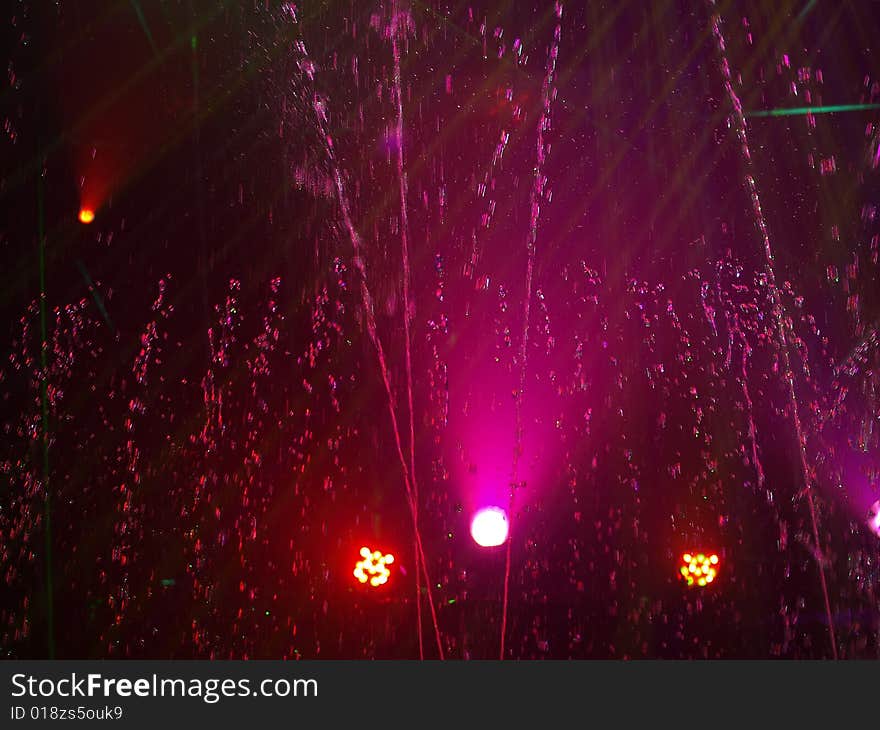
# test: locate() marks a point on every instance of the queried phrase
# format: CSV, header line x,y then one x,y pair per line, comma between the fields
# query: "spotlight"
x,y
874,518
86,215
372,568
699,569
489,527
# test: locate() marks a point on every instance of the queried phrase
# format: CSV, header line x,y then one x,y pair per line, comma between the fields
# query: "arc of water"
x,y
534,214
307,66
778,308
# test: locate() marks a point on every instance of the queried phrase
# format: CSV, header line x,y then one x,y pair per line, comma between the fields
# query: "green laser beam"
x,y
803,14
146,28
803,110
94,292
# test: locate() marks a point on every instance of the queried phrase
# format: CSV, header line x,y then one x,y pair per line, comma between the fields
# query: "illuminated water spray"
x,y
272,396
536,196
400,23
778,313
308,68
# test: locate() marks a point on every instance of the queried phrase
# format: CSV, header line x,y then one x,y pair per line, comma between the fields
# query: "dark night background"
x,y
219,440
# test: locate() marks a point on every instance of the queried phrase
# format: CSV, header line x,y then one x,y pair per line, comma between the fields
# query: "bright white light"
x,y
874,518
489,527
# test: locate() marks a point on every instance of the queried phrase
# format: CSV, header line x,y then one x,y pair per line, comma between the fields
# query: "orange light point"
x,y
86,215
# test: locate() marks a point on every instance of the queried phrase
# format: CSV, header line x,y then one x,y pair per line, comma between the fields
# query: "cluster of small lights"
x,y
373,568
699,569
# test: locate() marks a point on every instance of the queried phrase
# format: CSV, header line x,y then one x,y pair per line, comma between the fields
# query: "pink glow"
x,y
489,527
874,518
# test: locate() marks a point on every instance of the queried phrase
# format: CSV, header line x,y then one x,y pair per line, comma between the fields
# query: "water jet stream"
x,y
534,214
778,313
396,27
307,67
